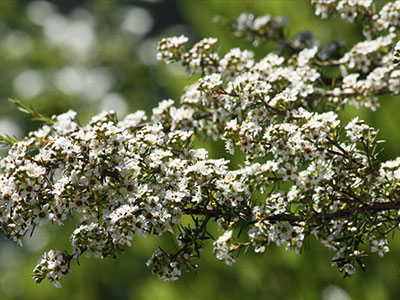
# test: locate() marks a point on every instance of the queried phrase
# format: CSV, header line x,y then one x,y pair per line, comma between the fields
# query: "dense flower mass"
x,y
305,174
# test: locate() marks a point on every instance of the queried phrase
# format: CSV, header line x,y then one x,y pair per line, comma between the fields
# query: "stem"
x,y
293,218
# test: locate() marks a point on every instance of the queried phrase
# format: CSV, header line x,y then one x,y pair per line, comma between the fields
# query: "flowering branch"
x,y
305,174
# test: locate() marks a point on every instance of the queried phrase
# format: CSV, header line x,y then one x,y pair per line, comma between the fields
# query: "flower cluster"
x,y
258,29
388,19
53,265
221,248
199,57
170,49
305,174
347,9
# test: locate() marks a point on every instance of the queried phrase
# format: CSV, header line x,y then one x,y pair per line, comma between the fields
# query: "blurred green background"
x,y
95,55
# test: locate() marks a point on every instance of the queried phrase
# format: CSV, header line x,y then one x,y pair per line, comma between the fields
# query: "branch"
x,y
293,218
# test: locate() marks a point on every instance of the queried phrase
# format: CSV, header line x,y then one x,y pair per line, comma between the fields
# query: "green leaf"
x,y
31,111
7,140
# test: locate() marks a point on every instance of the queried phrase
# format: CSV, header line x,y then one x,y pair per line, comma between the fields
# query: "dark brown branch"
x,y
331,93
375,207
370,165
340,214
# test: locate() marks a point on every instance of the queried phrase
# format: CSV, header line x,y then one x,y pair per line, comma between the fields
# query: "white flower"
x,y
176,41
380,247
306,55
210,82
64,122
221,248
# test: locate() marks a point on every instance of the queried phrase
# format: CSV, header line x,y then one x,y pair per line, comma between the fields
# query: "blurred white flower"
x,y
137,20
28,84
39,11
116,102
333,292
18,43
